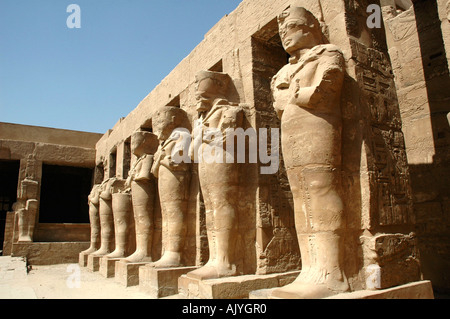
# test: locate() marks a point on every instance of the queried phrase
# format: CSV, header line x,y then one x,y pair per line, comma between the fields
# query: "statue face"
x,y
205,95
299,30
143,143
296,35
163,125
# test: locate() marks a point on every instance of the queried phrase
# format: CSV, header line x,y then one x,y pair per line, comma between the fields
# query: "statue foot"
x,y
101,252
25,239
213,271
116,254
88,251
138,257
299,290
313,284
168,260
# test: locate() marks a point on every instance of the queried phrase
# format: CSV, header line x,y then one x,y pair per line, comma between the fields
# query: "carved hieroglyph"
x,y
171,125
219,181
306,95
141,182
94,219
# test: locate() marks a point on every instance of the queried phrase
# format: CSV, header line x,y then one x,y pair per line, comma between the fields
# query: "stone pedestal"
x,y
126,273
161,282
231,287
83,259
49,253
414,290
93,263
108,266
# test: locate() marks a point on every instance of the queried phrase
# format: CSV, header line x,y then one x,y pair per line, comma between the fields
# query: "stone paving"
x,y
63,281
13,279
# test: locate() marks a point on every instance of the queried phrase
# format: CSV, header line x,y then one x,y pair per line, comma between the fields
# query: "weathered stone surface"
x,y
93,263
127,273
49,253
160,282
231,287
414,290
363,167
107,266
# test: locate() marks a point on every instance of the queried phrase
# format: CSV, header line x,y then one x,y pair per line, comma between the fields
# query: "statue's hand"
x,y
308,97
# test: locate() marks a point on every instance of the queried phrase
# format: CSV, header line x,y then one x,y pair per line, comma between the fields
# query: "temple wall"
x,y
418,48
33,148
376,177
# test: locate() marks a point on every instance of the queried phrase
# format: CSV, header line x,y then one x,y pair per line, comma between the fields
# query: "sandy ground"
x,y
64,281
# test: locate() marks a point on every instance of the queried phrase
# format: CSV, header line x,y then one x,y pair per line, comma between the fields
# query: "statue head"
x,y
299,29
143,142
209,87
168,118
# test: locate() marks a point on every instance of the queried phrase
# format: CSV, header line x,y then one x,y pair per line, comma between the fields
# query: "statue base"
x,y
126,273
108,266
237,287
83,259
414,290
161,282
93,263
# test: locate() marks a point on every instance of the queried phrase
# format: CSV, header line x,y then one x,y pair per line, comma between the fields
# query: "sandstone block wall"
x,y
418,47
376,177
34,147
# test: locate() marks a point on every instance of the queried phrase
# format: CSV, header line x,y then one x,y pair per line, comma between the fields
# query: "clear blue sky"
x,y
86,79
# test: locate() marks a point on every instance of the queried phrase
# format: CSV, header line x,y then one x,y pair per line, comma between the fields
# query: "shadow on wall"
x,y
430,181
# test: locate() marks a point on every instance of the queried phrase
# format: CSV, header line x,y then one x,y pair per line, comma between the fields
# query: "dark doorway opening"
x,y
64,194
9,172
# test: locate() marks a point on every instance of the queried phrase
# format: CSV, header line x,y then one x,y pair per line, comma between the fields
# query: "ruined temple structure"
x,y
46,176
358,205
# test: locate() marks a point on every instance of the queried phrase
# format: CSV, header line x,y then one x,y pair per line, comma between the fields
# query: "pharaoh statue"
x,y
94,219
171,125
27,204
143,189
306,94
219,179
106,218
122,211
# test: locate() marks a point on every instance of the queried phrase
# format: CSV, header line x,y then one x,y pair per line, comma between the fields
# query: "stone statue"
x,y
106,219
171,125
94,219
447,7
142,185
122,211
27,204
219,180
306,95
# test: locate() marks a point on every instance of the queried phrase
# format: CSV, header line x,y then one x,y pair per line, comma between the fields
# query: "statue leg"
x,y
27,218
94,219
143,195
320,226
220,191
173,194
121,206
106,226
23,225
